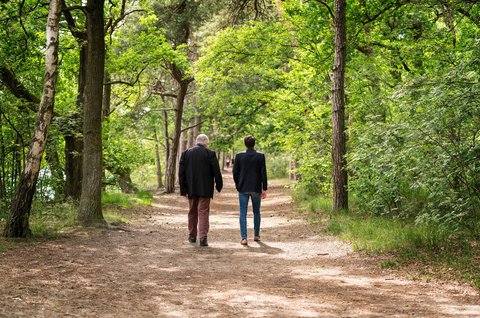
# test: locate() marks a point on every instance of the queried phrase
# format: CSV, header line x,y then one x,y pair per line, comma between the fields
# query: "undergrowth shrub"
x,y
421,159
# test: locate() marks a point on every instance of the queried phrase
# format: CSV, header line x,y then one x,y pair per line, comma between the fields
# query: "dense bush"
x,y
424,160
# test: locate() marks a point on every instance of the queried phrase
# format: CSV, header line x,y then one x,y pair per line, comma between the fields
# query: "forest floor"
x,y
146,268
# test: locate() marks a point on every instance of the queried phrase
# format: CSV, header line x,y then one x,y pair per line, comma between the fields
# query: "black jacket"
x,y
250,172
197,171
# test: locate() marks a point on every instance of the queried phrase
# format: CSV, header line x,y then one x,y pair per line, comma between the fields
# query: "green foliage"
x,y
277,166
239,69
125,147
145,177
422,161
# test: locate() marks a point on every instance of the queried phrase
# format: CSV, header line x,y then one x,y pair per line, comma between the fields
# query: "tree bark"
x,y
107,95
172,159
157,161
191,137
125,182
90,213
3,175
73,160
340,193
74,133
197,128
18,222
124,178
166,138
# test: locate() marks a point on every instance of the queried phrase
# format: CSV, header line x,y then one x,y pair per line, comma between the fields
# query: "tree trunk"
x,y
191,137
293,165
73,166
166,138
340,193
18,222
125,182
182,148
17,162
197,128
107,95
158,162
90,213
172,159
3,175
74,135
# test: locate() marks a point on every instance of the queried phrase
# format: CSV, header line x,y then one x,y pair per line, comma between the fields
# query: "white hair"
x,y
202,139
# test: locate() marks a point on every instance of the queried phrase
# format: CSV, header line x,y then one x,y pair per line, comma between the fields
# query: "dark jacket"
x,y
250,172
197,172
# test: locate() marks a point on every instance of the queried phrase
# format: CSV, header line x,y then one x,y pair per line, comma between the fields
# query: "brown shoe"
x,y
256,238
244,242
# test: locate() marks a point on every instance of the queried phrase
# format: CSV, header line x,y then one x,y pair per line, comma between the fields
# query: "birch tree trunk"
x,y
90,213
340,194
18,222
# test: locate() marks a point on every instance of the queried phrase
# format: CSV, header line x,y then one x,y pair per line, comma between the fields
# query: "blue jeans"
x,y
243,201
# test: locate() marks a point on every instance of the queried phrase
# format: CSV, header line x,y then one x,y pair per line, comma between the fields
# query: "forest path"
x,y
148,269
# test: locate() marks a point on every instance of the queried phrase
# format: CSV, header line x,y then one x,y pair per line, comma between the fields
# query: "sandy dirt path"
x,y
148,269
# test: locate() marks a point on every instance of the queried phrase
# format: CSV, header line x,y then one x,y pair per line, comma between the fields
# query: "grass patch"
x,y
430,250
115,218
49,220
124,200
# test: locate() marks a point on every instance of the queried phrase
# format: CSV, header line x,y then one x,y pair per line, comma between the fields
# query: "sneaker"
x,y
203,241
244,242
192,239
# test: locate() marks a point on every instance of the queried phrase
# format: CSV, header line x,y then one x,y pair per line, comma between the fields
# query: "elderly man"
x,y
198,172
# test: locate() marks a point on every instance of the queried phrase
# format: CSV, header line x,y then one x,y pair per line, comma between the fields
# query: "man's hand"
x,y
264,194
186,197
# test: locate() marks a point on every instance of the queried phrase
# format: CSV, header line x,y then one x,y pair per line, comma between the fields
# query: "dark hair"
x,y
249,141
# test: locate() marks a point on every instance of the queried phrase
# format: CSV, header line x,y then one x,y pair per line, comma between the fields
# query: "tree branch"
x,y
164,94
72,26
328,8
11,82
112,24
469,16
131,84
193,126
13,127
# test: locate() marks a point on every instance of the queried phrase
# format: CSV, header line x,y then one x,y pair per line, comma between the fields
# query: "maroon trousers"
x,y
198,215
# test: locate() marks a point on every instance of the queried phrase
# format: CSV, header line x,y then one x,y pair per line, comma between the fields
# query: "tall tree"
x,y
18,222
340,192
183,14
90,213
72,132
